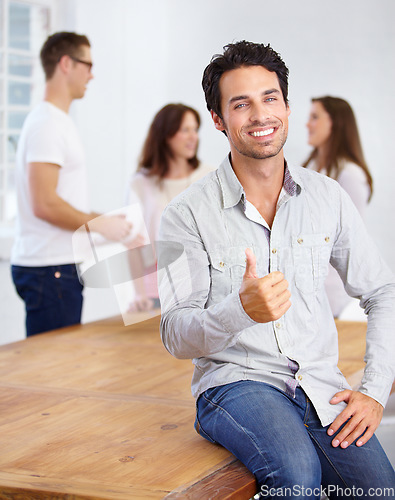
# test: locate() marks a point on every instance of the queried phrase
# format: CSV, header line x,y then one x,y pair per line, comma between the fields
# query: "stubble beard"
x,y
259,151
260,155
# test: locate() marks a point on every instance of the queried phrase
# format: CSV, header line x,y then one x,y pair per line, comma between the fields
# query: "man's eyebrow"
x,y
243,97
238,98
271,91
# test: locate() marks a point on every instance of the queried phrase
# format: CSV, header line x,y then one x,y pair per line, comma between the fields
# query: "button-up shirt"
x,y
203,319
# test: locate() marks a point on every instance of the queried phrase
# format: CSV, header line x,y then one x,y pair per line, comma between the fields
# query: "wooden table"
x,y
102,411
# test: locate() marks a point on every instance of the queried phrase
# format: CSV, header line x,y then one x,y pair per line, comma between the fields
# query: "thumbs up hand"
x,y
263,299
250,271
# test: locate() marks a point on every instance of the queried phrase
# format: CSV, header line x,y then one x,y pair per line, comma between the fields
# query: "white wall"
x,y
151,52
148,53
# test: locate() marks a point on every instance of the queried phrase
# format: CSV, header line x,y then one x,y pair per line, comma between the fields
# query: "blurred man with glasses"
x,y
52,192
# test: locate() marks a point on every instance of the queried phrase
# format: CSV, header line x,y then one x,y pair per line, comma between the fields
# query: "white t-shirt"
x,y
48,136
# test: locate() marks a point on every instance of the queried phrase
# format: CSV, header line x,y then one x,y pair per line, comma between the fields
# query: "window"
x,y
24,26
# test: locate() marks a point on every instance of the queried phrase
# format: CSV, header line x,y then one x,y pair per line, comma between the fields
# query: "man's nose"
x,y
259,112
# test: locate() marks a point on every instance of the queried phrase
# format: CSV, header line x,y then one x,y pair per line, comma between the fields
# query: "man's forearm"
x,y
61,214
191,331
189,327
58,212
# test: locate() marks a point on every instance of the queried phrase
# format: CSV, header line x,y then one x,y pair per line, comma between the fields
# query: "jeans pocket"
x,y
29,283
67,277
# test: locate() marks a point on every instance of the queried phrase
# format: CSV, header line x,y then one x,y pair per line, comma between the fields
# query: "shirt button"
x,y
221,264
278,325
300,377
327,239
300,241
57,274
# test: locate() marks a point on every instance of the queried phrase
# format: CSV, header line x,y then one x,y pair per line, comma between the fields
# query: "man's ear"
x,y
65,63
218,122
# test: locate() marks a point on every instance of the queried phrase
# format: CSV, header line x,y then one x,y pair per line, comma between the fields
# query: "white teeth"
x,y
263,132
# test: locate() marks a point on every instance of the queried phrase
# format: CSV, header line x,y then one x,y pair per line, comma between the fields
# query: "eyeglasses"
x,y
87,63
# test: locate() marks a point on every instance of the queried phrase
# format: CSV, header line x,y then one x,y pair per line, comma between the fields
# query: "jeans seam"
x,y
198,427
318,444
329,460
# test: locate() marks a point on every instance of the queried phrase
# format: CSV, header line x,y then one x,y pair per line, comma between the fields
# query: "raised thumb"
x,y
250,271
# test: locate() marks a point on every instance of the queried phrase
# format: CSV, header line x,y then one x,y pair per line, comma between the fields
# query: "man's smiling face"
x,y
254,113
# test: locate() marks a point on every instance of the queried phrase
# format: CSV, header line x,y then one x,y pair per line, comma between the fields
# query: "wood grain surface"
x,y
103,411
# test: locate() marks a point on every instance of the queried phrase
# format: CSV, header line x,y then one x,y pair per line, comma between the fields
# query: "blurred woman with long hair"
x,y
337,153
168,165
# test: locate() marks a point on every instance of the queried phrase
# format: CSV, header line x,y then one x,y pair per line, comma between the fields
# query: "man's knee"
x,y
292,477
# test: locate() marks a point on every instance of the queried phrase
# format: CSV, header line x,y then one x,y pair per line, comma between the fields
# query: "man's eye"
x,y
240,105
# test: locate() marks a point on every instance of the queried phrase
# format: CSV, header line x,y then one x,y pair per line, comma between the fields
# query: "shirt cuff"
x,y
232,315
376,386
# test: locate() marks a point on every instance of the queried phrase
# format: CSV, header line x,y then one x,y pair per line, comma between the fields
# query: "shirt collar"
x,y
233,192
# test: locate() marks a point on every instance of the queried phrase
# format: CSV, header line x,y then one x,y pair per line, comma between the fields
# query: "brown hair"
x,y
156,151
56,46
344,141
237,55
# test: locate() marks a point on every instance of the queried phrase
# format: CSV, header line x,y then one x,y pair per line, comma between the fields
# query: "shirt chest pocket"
x,y
227,267
311,254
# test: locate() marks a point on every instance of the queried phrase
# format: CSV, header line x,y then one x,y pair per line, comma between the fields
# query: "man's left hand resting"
x,y
363,414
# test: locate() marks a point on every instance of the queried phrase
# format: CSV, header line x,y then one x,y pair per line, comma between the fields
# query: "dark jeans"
x,y
52,296
282,442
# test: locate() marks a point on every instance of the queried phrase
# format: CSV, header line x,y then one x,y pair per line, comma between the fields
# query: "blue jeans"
x,y
52,296
282,442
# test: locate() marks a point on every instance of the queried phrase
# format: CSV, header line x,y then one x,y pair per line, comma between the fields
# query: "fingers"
x,y
277,281
278,300
358,421
355,428
112,227
141,304
250,271
283,304
125,225
263,299
121,229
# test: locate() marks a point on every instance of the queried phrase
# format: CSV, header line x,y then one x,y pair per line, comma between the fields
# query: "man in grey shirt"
x,y
246,299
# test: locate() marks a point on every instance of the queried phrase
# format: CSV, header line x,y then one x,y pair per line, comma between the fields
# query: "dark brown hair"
x,y
344,142
235,56
156,151
60,44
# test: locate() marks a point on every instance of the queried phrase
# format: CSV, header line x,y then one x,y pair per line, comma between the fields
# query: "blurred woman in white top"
x,y
337,153
168,165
